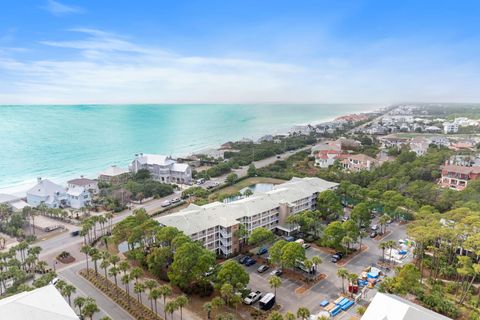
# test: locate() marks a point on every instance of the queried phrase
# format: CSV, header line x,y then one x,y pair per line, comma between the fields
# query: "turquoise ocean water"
x,y
61,142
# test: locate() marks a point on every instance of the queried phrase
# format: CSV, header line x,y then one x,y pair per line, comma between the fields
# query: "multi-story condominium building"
x,y
419,145
162,168
450,127
358,162
216,224
457,177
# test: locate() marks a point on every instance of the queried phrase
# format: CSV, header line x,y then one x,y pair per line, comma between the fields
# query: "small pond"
x,y
259,187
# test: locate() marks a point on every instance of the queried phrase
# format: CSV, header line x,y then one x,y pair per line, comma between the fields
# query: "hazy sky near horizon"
x,y
239,51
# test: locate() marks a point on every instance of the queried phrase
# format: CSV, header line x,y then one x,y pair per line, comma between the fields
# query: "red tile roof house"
x,y
326,158
358,162
457,177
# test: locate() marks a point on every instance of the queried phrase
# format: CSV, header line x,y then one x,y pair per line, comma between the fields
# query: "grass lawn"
x,y
245,183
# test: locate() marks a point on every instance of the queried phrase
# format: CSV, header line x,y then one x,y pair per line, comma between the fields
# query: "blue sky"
x,y
123,51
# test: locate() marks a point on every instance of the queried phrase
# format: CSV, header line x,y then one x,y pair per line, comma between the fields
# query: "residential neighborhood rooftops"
x,y
390,307
460,169
44,303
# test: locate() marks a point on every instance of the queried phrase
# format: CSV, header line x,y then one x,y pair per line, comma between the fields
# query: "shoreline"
x,y
22,187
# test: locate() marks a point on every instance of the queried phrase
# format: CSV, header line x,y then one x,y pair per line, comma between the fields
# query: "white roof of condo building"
x,y
390,307
197,218
44,303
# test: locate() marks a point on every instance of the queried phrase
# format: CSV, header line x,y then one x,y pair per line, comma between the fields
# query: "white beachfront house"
x,y
162,168
45,191
80,191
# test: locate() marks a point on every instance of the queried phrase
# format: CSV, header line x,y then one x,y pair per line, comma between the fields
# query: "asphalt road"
x,y
84,288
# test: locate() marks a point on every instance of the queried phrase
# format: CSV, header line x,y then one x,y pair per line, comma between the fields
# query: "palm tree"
x,y
104,265
126,281
352,278
123,266
67,291
289,316
154,295
316,260
207,307
275,282
109,216
113,272
136,273
150,284
165,291
79,302
303,313
170,308
90,309
383,222
383,246
95,255
217,303
342,273
275,315
86,250
114,259
139,288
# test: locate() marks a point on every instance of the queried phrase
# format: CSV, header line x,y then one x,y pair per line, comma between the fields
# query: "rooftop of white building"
x,y
44,303
197,218
45,188
390,307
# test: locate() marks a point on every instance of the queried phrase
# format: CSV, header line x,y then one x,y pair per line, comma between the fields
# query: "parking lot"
x,y
330,287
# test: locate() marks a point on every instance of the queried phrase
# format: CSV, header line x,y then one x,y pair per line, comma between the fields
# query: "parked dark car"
x,y
75,233
262,268
335,258
373,234
250,262
262,250
243,259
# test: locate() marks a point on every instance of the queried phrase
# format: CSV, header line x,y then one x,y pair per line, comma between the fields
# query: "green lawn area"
x,y
245,183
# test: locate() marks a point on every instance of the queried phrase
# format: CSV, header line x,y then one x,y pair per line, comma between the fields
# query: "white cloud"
x,y
109,68
59,9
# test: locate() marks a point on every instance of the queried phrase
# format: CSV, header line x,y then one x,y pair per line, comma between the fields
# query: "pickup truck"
x,y
252,297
